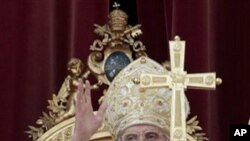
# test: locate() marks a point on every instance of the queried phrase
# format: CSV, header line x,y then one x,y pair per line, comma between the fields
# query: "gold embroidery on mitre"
x,y
128,105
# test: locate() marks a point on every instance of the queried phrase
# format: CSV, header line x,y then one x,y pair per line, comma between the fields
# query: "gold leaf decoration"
x,y
194,130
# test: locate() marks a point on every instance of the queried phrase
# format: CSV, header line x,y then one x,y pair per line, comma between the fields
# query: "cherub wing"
x,y
63,92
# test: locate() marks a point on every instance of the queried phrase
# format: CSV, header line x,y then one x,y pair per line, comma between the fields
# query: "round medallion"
x,y
177,47
146,80
209,80
178,133
114,64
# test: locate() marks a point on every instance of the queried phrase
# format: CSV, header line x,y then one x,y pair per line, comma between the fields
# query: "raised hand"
x,y
86,123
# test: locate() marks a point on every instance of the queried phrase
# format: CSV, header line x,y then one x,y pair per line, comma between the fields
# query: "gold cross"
x,y
178,80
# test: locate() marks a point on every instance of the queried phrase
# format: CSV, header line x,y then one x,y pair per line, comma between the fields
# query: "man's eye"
x,y
152,136
131,138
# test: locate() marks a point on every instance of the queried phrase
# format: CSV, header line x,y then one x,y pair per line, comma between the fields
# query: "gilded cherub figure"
x,y
75,69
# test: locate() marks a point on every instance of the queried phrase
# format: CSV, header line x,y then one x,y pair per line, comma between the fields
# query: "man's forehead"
x,y
142,127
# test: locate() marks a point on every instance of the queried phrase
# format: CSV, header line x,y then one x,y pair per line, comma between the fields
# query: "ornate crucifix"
x,y
178,80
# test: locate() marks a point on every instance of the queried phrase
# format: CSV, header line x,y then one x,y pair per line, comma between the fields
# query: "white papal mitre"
x,y
129,105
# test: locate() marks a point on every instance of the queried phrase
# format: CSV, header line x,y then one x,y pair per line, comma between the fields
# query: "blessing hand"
x,y
86,123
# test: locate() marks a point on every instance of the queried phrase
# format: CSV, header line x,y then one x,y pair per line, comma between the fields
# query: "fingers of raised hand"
x,y
103,107
80,92
84,96
87,92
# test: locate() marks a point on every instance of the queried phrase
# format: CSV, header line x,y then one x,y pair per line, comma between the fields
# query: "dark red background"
x,y
37,38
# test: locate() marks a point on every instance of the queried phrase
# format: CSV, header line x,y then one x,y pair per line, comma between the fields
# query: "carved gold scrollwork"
x,y
97,46
138,46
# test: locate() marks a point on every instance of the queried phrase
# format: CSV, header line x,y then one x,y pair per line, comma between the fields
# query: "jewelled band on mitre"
x,y
130,105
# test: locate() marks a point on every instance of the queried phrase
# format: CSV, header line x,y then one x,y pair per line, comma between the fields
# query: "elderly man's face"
x,y
143,133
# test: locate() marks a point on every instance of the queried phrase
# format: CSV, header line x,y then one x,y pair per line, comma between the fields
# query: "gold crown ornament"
x,y
117,13
118,20
130,105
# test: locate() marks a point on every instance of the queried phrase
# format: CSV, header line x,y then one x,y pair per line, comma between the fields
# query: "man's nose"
x,y
141,138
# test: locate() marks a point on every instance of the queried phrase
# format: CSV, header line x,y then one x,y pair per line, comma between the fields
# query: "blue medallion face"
x,y
114,64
